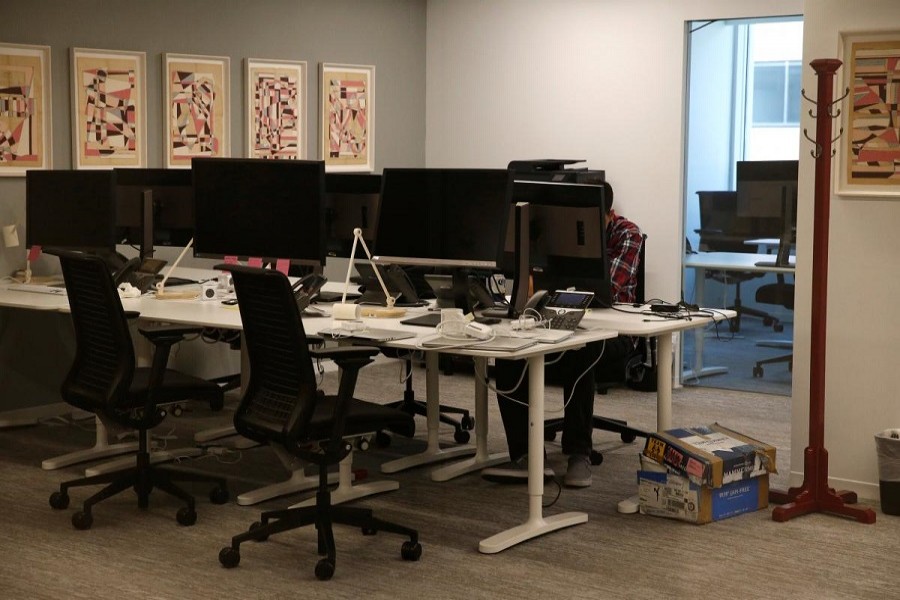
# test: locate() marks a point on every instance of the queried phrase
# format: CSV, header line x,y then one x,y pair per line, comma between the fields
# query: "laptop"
x,y
501,343
370,334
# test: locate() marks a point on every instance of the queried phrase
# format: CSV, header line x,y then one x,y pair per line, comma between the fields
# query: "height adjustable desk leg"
x,y
699,370
482,458
101,449
433,453
536,524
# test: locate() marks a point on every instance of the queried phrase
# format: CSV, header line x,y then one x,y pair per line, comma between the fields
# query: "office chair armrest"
x,y
336,353
132,314
315,340
168,334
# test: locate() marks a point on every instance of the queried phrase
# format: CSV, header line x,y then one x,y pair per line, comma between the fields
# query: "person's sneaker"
x,y
579,472
514,472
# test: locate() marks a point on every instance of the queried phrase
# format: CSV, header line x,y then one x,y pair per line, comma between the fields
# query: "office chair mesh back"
x,y
104,359
281,393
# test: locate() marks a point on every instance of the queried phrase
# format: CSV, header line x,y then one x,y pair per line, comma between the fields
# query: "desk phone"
x,y
561,309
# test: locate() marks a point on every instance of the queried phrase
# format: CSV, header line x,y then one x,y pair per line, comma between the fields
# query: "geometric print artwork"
x,y
874,132
196,100
347,117
109,114
24,108
276,98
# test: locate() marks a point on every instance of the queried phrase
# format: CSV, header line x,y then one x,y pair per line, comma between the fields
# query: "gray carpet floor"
x,y
144,554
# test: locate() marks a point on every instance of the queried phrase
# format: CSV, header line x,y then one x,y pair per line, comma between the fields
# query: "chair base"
x,y
143,478
626,433
758,370
323,515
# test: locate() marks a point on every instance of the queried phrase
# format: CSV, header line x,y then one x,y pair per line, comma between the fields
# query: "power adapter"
x,y
665,308
522,324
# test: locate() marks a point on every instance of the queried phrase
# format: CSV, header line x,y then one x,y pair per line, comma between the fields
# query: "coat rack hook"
x,y
807,98
838,136
806,135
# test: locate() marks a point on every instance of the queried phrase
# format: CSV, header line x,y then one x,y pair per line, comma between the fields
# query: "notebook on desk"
x,y
369,334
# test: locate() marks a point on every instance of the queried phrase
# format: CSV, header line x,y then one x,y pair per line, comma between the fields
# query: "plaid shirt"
x,y
623,245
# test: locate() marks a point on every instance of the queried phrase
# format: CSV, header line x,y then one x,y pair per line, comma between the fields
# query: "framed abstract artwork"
x,y
346,124
196,108
276,108
25,140
869,149
109,109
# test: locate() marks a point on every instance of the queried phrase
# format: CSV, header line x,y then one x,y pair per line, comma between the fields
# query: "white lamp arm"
x,y
357,237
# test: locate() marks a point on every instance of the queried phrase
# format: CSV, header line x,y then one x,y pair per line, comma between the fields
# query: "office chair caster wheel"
x,y
82,520
467,423
229,557
186,516
768,321
262,536
218,495
324,569
362,444
596,458
757,371
549,435
461,437
59,500
778,327
177,410
382,440
217,404
628,437
411,551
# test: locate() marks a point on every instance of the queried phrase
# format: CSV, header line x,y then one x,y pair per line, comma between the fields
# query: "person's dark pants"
x,y
579,412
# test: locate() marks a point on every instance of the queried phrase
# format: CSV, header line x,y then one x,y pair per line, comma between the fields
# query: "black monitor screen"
x,y
762,185
351,201
567,239
70,209
258,208
443,217
173,204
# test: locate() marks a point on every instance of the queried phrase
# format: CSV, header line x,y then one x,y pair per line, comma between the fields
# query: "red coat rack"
x,y
814,495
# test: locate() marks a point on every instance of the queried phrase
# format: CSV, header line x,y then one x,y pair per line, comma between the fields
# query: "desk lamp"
x,y
162,294
352,311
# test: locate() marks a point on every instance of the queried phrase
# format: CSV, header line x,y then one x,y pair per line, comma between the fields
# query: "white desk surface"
x,y
735,261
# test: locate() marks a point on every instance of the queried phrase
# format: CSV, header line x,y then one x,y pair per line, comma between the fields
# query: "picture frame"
x,y
25,122
196,108
868,151
346,117
109,108
276,101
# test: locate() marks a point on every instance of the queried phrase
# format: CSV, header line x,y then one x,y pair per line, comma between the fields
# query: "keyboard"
x,y
37,288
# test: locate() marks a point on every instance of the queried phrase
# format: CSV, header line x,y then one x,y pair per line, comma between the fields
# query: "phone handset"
x,y
306,288
537,301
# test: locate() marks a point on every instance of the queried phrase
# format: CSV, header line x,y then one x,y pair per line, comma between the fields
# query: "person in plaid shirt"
x,y
623,247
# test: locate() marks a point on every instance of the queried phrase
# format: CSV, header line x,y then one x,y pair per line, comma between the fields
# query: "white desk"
x,y
722,261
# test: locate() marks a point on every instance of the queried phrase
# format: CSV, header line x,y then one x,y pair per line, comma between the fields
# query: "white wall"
x,y
864,262
602,81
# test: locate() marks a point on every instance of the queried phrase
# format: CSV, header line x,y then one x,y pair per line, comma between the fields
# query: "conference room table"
x,y
702,262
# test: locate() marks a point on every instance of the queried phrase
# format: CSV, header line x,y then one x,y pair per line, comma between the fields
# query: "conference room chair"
x,y
723,230
781,294
282,406
105,380
614,373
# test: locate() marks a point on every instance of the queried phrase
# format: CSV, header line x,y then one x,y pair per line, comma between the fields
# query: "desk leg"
x,y
433,453
482,458
663,402
536,524
33,415
101,449
699,333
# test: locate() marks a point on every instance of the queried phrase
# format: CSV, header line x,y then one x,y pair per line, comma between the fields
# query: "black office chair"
x,y
281,405
105,381
782,294
614,373
722,230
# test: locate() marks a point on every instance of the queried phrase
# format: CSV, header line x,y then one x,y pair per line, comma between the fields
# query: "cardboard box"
x,y
669,495
712,455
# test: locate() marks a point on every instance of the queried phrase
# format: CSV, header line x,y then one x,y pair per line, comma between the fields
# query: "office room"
x,y
476,84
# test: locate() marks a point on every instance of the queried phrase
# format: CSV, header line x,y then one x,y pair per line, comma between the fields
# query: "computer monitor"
x,y
566,239
71,209
259,208
767,191
171,217
443,217
351,201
